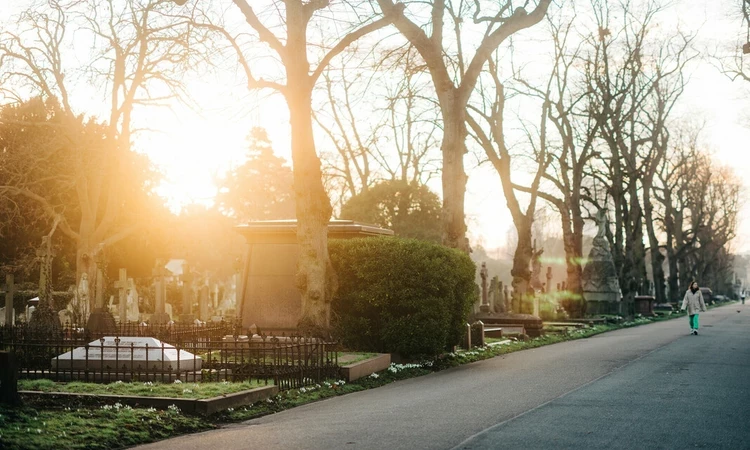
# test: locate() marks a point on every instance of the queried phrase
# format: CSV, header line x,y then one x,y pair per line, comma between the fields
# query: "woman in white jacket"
x,y
694,303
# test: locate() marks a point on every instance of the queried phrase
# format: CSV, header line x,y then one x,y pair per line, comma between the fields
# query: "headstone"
x,y
485,306
187,295
507,299
45,318
128,353
122,285
101,320
10,289
601,288
160,286
8,379
477,334
133,312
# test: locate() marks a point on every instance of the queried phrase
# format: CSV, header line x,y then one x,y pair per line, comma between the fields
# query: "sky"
x,y
196,147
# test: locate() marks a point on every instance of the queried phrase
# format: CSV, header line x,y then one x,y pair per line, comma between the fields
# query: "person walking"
x,y
694,303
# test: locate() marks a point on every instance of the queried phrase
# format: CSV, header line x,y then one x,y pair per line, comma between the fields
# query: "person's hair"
x,y
696,285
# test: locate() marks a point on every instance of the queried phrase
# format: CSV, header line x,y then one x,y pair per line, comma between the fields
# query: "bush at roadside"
x,y
400,295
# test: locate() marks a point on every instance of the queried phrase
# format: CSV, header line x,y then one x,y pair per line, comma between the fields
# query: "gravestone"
x,y
601,288
269,298
101,321
160,286
187,315
122,285
133,311
485,306
130,354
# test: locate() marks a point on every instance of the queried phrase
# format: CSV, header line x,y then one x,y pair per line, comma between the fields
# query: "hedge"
x,y
400,296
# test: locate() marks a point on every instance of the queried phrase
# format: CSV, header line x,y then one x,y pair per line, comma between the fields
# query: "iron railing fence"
x,y
188,355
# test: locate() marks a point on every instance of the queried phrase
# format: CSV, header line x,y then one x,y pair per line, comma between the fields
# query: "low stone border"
x,y
203,406
366,367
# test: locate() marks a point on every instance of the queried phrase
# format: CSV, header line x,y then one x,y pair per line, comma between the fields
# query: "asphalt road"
x,y
652,386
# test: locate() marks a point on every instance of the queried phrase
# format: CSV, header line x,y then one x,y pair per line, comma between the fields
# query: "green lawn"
x,y
144,389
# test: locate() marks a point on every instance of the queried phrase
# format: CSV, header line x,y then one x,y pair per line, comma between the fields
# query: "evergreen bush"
x,y
400,295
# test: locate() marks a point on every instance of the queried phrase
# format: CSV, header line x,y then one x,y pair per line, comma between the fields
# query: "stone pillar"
x,y
160,286
187,315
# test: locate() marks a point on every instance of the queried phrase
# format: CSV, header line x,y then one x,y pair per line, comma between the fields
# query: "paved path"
x,y
652,386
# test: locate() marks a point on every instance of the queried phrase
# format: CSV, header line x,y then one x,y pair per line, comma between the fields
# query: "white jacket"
x,y
693,301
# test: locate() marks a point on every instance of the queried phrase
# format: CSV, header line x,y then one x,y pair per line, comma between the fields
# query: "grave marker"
x,y
122,285
129,353
187,295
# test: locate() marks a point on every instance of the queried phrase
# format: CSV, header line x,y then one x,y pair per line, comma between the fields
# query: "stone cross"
x,y
122,286
10,289
485,306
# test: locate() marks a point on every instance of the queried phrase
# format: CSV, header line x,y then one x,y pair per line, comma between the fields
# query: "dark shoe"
x,y
695,332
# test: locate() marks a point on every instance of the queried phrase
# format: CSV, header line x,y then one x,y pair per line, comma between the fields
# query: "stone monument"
x,y
485,306
269,298
601,288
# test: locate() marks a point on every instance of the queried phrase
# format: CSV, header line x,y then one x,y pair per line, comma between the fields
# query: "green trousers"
x,y
693,321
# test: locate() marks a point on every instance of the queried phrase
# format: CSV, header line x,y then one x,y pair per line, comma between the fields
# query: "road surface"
x,y
652,386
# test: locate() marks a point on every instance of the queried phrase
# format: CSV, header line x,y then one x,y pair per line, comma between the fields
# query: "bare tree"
x,y
455,76
634,83
296,80
571,148
138,49
398,140
491,138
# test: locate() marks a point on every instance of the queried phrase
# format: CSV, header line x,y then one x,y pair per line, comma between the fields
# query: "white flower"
x,y
173,408
151,410
302,390
177,381
118,382
187,391
374,376
148,383
38,431
269,400
230,409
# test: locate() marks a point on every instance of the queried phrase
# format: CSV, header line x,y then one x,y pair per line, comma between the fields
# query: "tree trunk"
x,y
454,176
657,259
315,275
521,271
573,244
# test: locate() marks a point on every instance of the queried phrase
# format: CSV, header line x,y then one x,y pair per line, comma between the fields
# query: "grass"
x,y
91,428
346,358
78,425
147,389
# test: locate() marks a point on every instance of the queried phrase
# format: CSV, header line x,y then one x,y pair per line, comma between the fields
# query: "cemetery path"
x,y
651,386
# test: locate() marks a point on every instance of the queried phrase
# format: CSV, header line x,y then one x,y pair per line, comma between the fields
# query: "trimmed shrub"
x,y
400,295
